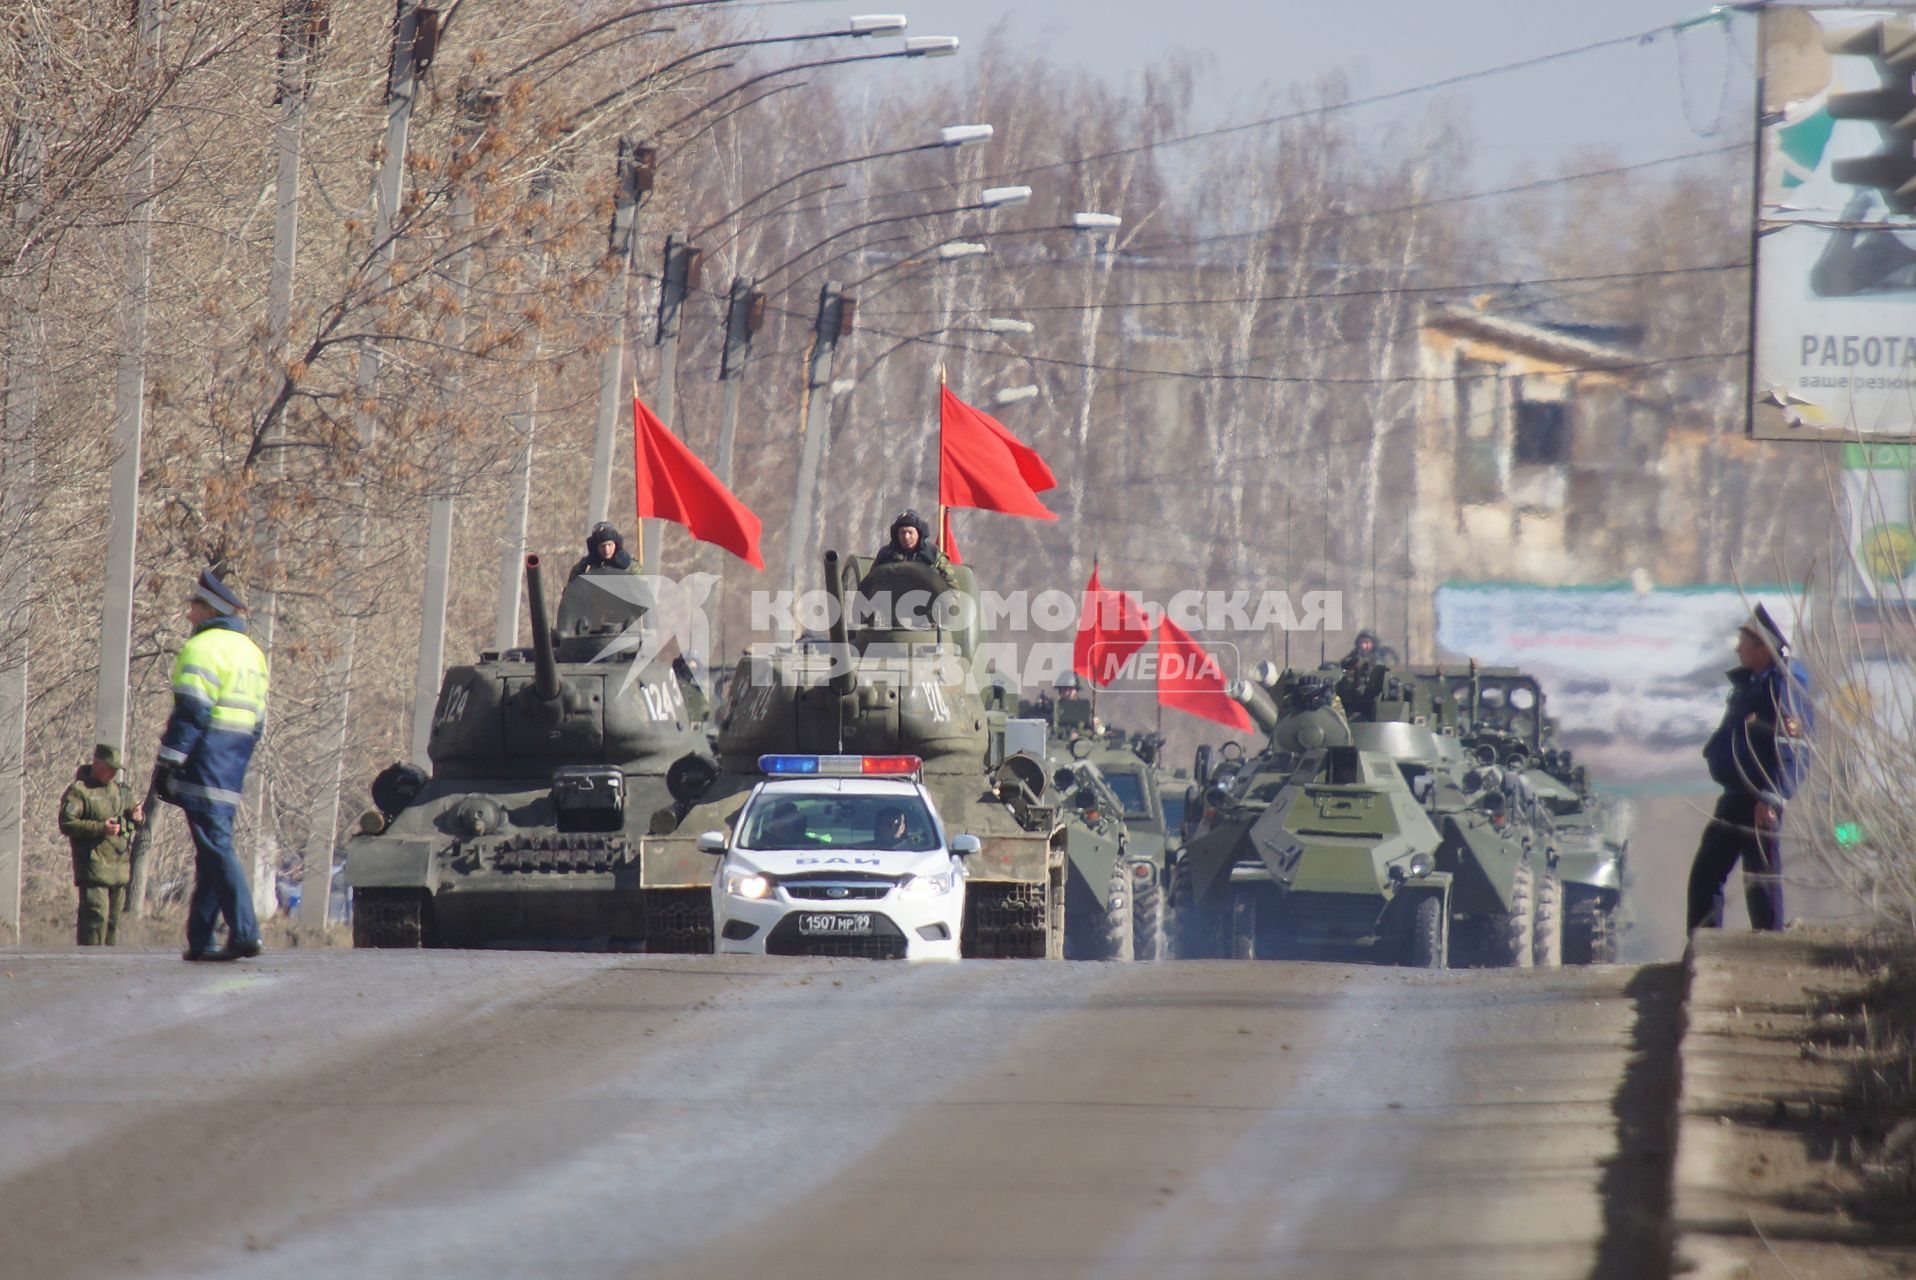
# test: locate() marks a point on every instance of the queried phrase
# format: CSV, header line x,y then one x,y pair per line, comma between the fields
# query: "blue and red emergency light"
x,y
839,766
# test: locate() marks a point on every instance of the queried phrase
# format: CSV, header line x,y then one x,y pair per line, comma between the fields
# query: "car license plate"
x,y
816,922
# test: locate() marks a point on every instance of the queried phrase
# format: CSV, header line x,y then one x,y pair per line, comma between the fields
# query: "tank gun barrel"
x,y
1258,702
545,666
843,681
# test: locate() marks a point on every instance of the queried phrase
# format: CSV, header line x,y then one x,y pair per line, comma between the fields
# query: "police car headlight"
x,y
747,884
924,886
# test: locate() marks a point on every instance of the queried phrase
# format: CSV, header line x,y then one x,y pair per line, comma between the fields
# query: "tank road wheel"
x,y
1147,918
1590,930
1512,933
1429,940
1118,906
678,921
1006,922
392,918
1546,937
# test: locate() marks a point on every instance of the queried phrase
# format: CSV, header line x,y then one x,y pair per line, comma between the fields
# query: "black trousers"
x,y
1730,837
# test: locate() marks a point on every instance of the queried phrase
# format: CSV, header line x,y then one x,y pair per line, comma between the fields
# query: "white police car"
x,y
839,856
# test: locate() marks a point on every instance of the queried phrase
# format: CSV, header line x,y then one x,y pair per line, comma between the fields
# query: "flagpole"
x,y
637,462
939,523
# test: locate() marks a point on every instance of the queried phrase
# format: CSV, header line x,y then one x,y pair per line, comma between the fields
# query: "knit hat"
x,y
1764,628
215,594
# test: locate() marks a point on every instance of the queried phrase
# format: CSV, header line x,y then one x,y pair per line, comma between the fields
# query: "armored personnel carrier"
x,y
1589,834
1353,837
546,765
894,676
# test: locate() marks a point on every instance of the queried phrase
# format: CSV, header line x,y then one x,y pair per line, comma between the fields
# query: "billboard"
x,y
1881,564
1635,680
1834,350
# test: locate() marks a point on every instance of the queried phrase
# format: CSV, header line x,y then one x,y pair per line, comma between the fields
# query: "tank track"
x,y
1147,922
678,921
1546,940
1590,930
1118,906
1006,922
392,918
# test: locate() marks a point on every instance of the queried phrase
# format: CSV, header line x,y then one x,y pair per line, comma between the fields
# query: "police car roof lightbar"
x,y
839,766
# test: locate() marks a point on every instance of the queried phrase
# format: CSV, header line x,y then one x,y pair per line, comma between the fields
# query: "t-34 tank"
x,y
1346,837
895,677
547,763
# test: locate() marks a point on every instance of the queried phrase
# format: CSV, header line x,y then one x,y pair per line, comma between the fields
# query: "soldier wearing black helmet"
x,y
911,542
1368,648
604,553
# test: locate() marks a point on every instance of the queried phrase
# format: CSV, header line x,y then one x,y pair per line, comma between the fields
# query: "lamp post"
x,y
835,314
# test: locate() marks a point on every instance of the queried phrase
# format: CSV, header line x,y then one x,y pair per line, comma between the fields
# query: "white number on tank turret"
x,y
935,702
454,705
658,701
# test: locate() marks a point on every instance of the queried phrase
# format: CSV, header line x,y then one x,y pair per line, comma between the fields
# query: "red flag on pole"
x,y
984,466
1111,627
672,484
949,544
1190,680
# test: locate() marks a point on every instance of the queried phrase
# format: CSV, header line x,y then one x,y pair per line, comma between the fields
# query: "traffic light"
x,y
1890,47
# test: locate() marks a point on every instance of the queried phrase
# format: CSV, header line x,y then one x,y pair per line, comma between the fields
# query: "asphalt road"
x,y
512,1114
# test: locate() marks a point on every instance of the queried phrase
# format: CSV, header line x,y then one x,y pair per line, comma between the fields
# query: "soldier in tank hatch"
x,y
604,553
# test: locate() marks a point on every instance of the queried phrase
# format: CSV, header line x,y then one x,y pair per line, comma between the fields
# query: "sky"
x,y
1667,97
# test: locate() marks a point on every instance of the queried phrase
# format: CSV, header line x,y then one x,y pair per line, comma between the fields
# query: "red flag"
x,y
982,465
1111,627
1190,680
672,484
949,544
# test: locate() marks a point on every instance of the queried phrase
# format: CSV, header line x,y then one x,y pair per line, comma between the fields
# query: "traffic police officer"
x,y
1758,756
219,710
97,816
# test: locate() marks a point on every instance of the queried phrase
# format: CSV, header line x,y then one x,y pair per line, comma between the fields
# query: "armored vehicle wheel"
x,y
1118,906
1429,942
1546,939
1147,921
678,921
1511,936
392,918
1006,922
1590,930
1200,933
1243,926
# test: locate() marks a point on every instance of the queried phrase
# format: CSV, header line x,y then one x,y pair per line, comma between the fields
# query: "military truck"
x,y
1365,838
546,764
893,676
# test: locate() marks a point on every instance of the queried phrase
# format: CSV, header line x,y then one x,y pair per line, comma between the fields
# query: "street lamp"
x,y
990,198
952,135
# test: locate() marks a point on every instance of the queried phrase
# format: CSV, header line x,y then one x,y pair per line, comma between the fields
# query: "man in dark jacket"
x,y
97,816
604,553
1758,756
911,541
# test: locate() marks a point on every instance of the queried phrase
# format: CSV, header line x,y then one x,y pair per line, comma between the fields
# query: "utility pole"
x,y
680,275
836,313
744,317
476,110
129,407
302,25
415,39
637,165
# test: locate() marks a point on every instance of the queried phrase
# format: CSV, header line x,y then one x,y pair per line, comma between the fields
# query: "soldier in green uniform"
x,y
97,816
